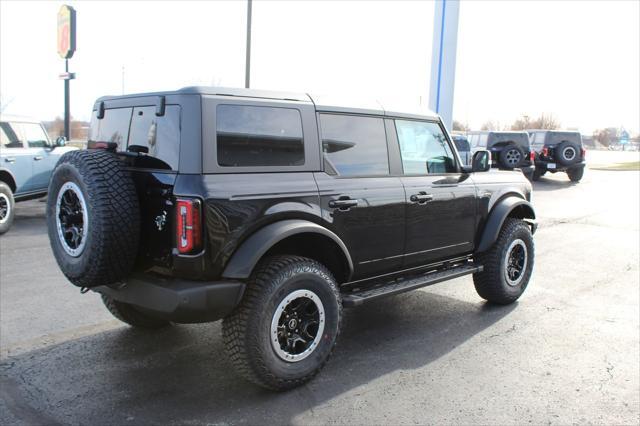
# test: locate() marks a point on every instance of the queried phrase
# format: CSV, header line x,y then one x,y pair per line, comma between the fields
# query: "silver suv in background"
x,y
27,157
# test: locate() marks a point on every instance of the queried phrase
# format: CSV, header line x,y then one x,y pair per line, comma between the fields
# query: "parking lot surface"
x,y
566,352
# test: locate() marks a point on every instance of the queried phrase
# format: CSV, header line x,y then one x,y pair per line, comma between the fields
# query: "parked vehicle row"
x,y
27,158
535,152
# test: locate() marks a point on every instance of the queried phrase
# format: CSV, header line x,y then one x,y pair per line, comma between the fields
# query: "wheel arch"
x,y
295,237
511,206
7,177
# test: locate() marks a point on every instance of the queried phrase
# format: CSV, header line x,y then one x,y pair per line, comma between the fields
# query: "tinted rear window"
x,y
521,139
161,135
113,127
253,136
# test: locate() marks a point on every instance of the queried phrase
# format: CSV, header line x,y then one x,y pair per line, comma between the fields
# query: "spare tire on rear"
x,y
93,218
567,153
511,156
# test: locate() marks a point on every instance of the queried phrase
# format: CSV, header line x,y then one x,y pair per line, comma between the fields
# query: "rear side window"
x,y
253,136
354,145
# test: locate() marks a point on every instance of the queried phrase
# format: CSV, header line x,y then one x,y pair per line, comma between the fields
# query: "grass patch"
x,y
630,166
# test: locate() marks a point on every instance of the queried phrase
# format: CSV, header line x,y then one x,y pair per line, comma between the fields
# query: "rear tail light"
x,y
545,152
532,156
188,226
583,153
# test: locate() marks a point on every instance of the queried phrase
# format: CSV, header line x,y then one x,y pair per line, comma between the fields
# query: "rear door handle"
x,y
421,198
343,204
10,160
38,157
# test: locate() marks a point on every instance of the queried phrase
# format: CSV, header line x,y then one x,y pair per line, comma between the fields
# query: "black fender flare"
x,y
12,179
245,258
499,214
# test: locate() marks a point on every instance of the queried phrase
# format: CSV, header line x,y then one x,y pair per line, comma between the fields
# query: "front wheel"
x,y
507,265
286,326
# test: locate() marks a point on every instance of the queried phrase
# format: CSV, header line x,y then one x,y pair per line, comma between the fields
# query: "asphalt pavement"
x,y
567,352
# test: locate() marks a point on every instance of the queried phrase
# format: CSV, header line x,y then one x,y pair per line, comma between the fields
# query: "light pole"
x,y
247,62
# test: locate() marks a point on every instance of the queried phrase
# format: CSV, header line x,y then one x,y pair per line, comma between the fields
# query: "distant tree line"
x,y
79,129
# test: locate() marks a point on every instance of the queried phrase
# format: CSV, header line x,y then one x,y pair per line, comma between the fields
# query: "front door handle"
x,y
421,198
343,204
10,160
38,157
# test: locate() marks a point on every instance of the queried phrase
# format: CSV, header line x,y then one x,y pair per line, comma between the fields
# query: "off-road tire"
x,y
130,315
8,205
113,217
247,333
491,283
575,174
563,150
537,174
510,150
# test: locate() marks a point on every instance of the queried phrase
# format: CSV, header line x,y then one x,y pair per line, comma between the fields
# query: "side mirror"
x,y
481,162
61,141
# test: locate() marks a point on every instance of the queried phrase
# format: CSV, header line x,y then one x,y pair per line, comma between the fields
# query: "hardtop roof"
x,y
321,103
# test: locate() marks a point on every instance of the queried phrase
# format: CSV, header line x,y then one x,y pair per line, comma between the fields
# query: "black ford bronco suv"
x,y
274,211
558,151
509,149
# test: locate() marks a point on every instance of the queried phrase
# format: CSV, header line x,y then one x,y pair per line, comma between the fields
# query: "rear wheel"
x,y
286,326
129,314
7,207
575,174
507,265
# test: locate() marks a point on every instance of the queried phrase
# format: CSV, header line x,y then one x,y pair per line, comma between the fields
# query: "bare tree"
x,y
545,121
458,126
490,125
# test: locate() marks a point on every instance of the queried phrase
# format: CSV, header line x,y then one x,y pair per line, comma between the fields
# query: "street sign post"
x,y
66,44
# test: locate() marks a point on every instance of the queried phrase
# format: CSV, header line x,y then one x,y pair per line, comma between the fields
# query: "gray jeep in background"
x,y
509,150
558,151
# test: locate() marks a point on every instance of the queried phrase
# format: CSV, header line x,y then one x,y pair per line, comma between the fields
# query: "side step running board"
x,y
407,284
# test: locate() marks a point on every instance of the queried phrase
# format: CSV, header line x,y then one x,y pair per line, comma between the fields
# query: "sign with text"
x,y
66,31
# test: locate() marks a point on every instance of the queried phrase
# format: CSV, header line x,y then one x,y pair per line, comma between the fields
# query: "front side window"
x,y
35,135
424,148
354,145
254,136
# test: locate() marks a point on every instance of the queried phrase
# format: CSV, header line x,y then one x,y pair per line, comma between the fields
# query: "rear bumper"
x,y
553,167
177,300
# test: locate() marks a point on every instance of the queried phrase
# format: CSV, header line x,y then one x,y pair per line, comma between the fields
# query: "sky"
x,y
578,60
